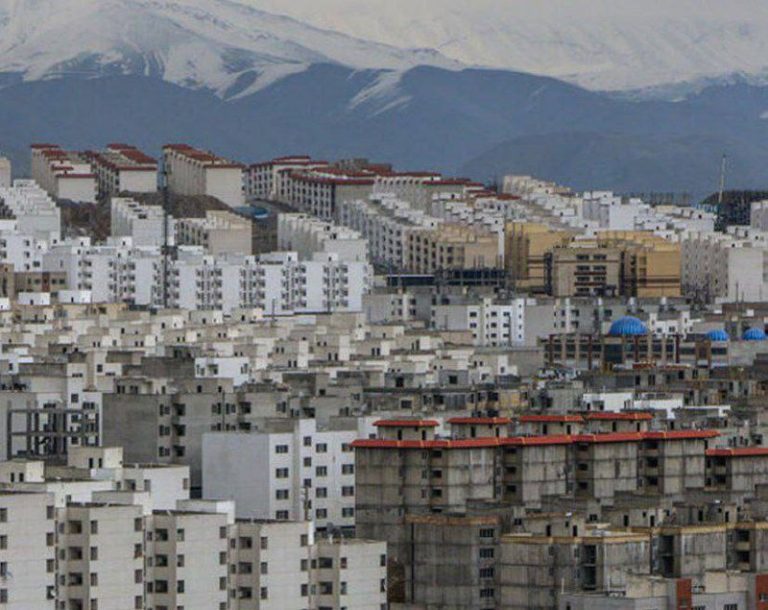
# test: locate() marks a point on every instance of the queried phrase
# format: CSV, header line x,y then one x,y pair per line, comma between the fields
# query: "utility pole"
x,y
166,235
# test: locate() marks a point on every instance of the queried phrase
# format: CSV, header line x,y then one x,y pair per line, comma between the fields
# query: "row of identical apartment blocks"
x,y
277,283
82,177
483,519
97,534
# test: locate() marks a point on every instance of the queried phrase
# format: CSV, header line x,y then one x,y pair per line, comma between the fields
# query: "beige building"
x,y
101,562
220,232
27,551
526,246
651,265
197,172
583,270
452,247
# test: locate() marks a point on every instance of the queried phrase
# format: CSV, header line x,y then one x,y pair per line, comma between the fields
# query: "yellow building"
x,y
526,246
542,259
452,246
650,265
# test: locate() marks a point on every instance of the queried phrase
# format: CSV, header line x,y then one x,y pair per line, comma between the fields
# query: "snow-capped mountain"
x,y
226,46
599,44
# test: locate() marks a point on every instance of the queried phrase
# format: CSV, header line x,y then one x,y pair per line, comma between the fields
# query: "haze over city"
x,y
370,305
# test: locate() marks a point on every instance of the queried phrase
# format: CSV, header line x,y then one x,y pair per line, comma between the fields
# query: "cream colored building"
x,y
220,232
197,172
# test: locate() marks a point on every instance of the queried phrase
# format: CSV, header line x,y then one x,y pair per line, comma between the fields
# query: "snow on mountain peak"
x,y
223,45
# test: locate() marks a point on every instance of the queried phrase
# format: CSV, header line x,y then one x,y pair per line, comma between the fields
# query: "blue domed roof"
x,y
718,334
628,326
754,334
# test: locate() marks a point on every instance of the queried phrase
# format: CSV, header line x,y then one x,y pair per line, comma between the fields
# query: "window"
x,y
264,543
348,469
486,532
321,471
281,494
281,473
486,553
281,448
486,593
347,491
321,513
321,448
321,492
264,593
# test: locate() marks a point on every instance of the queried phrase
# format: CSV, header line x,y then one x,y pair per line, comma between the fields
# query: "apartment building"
x,y
306,235
719,590
725,266
322,191
270,180
143,224
101,563
122,168
220,232
583,270
63,174
196,172
307,472
492,324
189,550
277,283
526,247
33,211
28,557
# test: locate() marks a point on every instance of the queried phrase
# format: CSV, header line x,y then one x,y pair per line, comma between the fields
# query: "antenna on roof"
x,y
723,167
167,247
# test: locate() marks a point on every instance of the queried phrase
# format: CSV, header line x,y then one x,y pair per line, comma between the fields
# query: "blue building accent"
x,y
718,334
754,334
628,326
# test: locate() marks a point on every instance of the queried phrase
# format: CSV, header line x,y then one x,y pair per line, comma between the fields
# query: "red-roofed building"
x,y
63,174
197,172
123,168
738,469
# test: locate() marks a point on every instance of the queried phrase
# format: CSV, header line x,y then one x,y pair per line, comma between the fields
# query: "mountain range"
x,y
616,102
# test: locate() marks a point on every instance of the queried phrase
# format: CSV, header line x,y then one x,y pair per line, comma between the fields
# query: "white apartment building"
x,y
729,266
121,168
611,211
272,561
351,573
27,551
144,224
305,473
63,174
34,212
321,191
277,283
306,235
189,558
387,223
220,232
758,215
196,172
270,180
492,324
101,562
